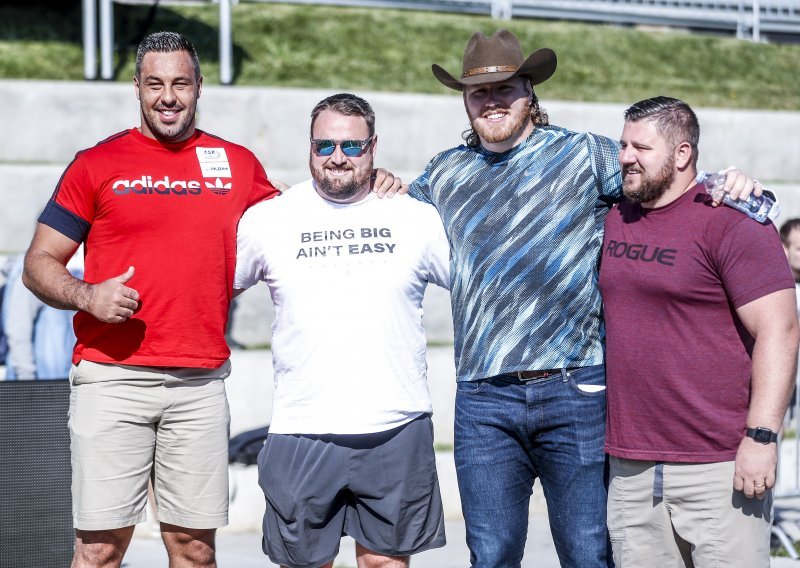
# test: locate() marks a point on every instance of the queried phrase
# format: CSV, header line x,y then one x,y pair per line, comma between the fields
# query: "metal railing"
x,y
106,28
747,18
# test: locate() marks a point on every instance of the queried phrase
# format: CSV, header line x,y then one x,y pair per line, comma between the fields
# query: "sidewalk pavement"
x,y
239,544
243,550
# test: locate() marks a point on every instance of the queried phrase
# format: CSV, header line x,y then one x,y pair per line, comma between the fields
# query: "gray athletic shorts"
x,y
381,489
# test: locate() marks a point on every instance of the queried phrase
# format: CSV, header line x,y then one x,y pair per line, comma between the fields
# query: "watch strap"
x,y
762,435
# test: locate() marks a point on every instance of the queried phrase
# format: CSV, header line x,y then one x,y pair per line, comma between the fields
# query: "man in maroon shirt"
x,y
701,348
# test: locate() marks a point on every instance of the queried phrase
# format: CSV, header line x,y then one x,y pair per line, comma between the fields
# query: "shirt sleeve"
x,y
262,187
71,209
605,165
249,264
439,252
750,259
420,187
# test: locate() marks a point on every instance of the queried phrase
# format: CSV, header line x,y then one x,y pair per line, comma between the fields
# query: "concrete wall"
x,y
45,123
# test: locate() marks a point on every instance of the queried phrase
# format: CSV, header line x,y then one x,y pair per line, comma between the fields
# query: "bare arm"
x,y
772,321
46,276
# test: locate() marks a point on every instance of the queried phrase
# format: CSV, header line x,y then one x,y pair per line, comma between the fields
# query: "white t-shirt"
x,y
347,282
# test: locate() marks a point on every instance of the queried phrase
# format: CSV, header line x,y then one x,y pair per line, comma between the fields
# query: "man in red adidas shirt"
x,y
157,208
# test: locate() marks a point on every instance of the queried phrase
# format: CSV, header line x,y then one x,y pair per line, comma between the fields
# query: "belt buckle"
x,y
542,375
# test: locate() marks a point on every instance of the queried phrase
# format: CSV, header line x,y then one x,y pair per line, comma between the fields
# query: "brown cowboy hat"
x,y
497,58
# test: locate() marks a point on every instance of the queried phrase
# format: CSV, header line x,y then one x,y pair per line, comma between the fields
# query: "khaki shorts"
x,y
130,423
699,521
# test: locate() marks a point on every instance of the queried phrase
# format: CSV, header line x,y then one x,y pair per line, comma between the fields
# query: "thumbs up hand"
x,y
112,301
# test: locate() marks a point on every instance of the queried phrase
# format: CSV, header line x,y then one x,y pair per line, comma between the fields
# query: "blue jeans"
x,y
507,434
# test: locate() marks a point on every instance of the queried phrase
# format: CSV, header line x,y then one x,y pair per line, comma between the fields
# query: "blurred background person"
x,y
40,338
790,236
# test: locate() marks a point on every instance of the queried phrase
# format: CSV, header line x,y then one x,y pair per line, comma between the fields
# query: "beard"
x,y
342,189
170,132
651,187
493,133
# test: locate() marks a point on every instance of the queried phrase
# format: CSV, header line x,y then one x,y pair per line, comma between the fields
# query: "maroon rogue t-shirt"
x,y
678,359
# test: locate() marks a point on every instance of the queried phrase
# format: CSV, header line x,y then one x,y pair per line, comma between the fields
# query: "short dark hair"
x,y
166,42
674,119
348,105
786,229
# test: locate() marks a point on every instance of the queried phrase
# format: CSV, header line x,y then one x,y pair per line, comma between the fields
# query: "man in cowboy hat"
x,y
523,205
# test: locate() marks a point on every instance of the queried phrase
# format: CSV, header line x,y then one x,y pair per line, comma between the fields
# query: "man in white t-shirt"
x,y
350,448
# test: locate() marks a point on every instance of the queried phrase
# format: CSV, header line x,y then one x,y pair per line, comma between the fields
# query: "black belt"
x,y
540,374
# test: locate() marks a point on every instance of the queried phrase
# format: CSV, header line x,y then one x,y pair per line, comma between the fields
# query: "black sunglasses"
x,y
350,148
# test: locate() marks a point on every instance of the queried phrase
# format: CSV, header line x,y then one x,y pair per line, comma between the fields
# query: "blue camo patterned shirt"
x,y
525,229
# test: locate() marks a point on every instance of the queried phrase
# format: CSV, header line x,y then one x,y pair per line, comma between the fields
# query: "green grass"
x,y
392,50
781,552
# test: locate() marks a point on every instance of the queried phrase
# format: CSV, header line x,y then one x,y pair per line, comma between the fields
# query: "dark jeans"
x,y
509,433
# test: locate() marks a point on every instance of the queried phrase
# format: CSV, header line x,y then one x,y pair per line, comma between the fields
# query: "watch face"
x,y
762,436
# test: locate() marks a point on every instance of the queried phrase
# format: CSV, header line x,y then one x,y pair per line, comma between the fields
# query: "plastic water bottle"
x,y
760,208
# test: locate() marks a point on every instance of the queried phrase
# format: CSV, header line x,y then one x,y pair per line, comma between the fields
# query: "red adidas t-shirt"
x,y
678,359
170,211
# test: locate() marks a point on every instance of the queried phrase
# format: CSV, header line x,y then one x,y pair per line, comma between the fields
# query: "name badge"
x,y
213,162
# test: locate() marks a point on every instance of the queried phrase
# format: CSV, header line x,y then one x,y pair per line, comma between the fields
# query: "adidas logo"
x,y
146,186
218,187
